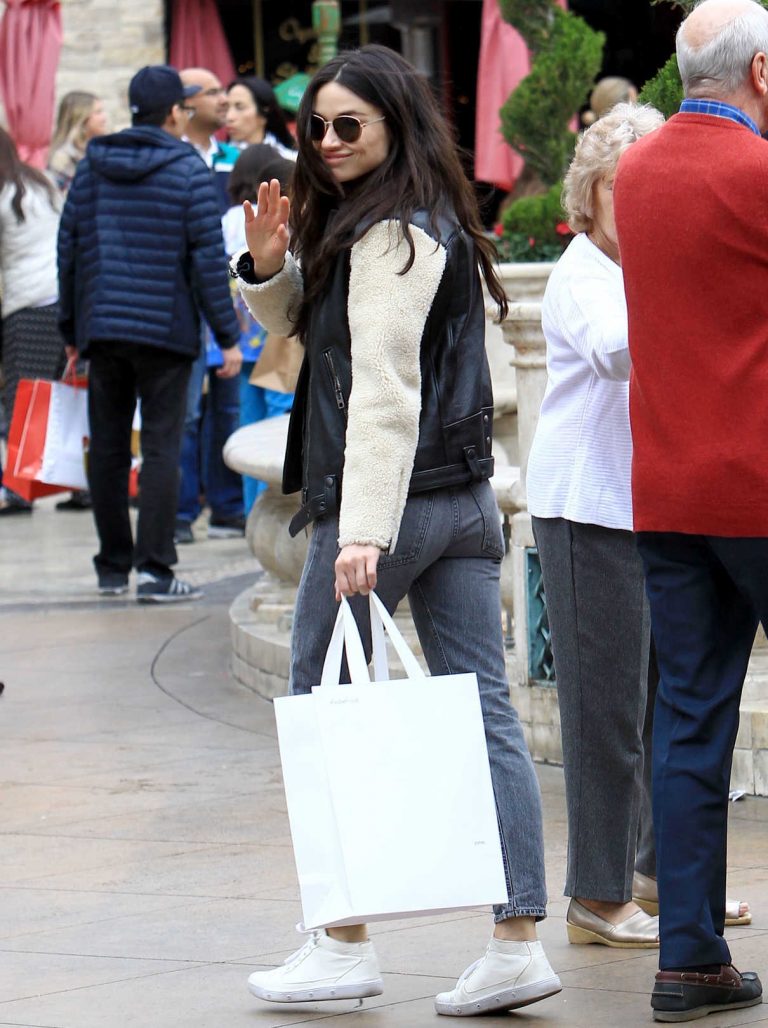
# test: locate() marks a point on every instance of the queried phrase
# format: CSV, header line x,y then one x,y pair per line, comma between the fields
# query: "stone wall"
x,y
105,43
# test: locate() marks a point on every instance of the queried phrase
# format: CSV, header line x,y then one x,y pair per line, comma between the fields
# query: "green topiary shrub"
x,y
566,57
665,90
532,18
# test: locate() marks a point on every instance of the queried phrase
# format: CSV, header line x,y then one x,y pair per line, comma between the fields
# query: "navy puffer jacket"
x,y
140,247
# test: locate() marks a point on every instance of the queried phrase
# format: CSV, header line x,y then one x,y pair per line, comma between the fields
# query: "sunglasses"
x,y
347,128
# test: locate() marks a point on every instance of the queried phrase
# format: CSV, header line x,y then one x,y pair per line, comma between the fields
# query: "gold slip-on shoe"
x,y
640,931
645,893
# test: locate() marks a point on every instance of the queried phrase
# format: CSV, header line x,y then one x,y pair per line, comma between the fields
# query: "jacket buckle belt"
x,y
316,506
470,456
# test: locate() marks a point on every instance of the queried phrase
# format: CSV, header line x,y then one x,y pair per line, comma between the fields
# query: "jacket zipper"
x,y
328,356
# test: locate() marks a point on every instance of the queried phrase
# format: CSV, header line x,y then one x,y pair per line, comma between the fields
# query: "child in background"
x,y
256,164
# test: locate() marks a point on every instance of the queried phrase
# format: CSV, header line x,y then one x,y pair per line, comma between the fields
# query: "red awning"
x,y
198,40
30,43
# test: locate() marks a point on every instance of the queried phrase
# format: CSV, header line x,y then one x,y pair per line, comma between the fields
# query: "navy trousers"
x,y
707,595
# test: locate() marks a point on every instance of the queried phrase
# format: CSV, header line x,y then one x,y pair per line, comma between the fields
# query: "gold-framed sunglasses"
x,y
346,126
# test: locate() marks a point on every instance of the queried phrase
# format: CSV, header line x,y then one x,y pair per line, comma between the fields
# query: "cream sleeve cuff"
x,y
387,314
275,302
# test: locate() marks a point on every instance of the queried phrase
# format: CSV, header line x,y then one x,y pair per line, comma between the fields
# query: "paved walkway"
x,y
145,862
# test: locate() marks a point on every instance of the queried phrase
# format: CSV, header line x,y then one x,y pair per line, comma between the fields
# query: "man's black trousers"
x,y
119,374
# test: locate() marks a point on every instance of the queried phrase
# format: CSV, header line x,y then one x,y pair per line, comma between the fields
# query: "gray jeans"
x,y
598,615
447,563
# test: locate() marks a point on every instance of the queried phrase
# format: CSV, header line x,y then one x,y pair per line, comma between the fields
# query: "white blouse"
x,y
28,276
581,458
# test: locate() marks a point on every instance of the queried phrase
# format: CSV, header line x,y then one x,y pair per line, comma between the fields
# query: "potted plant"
x,y
566,55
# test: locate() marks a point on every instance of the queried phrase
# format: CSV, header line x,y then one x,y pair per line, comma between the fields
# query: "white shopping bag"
x,y
388,788
66,440
47,439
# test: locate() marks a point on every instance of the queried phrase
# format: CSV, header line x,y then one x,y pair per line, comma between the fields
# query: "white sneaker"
x,y
323,968
510,975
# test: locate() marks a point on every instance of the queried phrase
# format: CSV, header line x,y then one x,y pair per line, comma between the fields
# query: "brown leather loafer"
x,y
686,995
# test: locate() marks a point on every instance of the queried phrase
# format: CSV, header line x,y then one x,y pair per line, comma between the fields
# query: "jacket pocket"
x,y
493,537
414,526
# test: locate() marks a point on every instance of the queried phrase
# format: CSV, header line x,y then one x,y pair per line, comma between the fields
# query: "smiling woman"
x,y
349,134
383,285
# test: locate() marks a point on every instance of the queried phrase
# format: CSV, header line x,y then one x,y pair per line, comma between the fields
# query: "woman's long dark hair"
x,y
13,171
268,107
421,171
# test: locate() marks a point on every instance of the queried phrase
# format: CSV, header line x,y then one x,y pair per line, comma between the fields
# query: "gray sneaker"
x,y
226,528
182,533
152,589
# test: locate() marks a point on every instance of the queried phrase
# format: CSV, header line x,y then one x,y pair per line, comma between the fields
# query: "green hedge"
x,y
536,216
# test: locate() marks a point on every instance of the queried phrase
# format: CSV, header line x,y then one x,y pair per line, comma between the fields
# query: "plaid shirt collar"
x,y
719,110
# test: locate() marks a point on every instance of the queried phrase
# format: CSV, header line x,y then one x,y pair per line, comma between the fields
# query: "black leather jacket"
x,y
455,428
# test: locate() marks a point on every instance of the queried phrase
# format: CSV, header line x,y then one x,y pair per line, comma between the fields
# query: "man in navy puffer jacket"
x,y
140,249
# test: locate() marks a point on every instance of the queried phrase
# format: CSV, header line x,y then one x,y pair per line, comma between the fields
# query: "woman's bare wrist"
x,y
263,272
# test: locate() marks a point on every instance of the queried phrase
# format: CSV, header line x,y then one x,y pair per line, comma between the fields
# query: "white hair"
x,y
721,66
597,155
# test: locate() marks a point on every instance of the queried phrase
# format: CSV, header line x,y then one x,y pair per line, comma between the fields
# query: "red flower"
x,y
531,241
562,229
498,229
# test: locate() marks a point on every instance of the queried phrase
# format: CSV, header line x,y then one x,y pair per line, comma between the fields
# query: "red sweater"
x,y
691,206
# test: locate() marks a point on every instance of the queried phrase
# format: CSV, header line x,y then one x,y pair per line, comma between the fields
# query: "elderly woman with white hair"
x,y
580,501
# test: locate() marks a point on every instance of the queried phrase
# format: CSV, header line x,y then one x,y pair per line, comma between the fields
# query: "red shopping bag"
x,y
48,439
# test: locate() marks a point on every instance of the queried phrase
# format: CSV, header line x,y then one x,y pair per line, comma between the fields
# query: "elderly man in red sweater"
x,y
691,206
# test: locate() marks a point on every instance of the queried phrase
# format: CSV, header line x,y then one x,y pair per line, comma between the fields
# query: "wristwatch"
x,y
244,269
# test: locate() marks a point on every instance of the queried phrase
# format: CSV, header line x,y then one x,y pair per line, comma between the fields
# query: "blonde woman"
x,y
81,117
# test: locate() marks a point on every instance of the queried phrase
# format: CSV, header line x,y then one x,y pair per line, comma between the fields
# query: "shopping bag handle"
x,y
69,370
381,622
70,375
345,637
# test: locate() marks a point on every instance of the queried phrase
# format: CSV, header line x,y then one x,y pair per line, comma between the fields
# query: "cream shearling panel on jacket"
x,y
387,314
275,302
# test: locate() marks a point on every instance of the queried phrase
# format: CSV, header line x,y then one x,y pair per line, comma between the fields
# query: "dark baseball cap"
x,y
157,87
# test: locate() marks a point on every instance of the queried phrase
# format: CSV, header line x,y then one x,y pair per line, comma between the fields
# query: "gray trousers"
x,y
598,616
447,563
